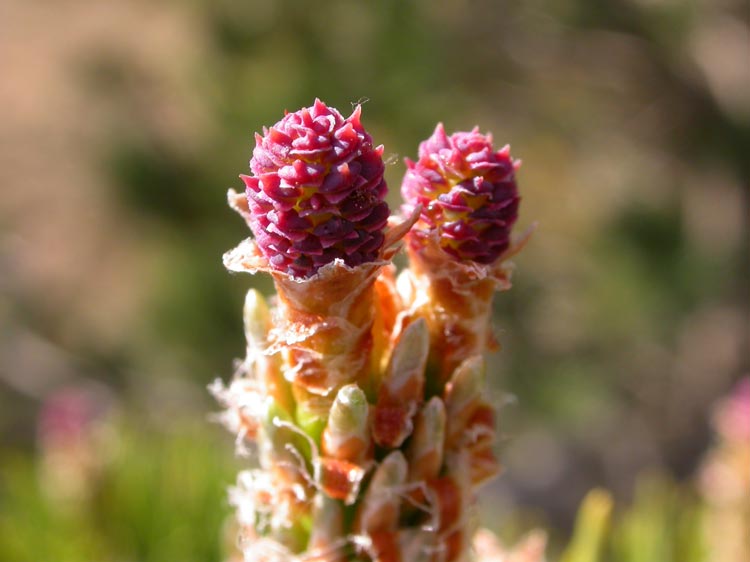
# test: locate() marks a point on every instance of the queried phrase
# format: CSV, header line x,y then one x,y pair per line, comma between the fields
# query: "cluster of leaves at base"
x,y
163,498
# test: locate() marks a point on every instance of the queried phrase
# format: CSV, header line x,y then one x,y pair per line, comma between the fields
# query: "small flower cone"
x,y
458,250
458,258
323,325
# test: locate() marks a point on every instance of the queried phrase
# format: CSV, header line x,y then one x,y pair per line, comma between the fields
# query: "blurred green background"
x,y
122,124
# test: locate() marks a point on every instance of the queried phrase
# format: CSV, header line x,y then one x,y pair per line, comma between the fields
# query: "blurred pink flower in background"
x,y
724,479
75,441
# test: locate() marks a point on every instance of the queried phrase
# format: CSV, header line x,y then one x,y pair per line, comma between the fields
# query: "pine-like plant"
x,y
363,392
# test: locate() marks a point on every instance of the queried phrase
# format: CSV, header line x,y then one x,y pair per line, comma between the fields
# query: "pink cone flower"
x,y
316,193
468,194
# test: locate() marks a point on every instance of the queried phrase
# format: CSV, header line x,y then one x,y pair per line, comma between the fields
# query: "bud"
x,y
425,452
468,194
347,434
450,498
326,535
257,321
261,368
426,447
402,388
379,510
316,193
462,395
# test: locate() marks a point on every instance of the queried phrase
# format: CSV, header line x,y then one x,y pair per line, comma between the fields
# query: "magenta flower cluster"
x,y
317,192
468,194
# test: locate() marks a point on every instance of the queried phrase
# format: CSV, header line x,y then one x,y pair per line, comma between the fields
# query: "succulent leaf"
x,y
425,452
327,533
340,479
379,510
257,320
347,433
402,389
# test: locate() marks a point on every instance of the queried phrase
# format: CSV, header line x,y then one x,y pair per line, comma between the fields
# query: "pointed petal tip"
x,y
356,114
319,107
